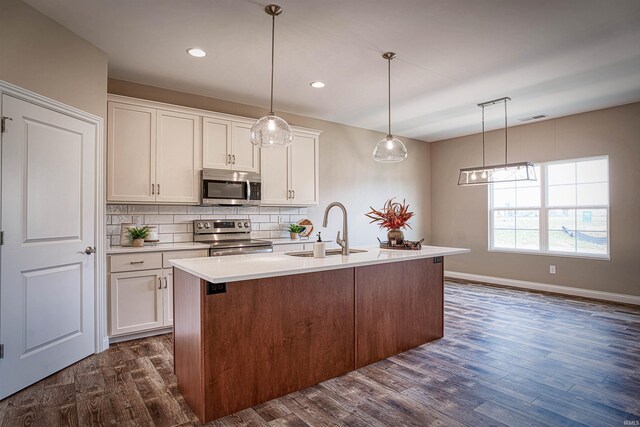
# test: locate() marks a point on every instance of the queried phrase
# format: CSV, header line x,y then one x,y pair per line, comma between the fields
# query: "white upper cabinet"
x,y
226,145
131,144
290,176
244,155
153,155
177,158
216,143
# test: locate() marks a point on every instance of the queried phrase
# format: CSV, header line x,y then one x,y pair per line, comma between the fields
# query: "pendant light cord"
x,y
506,144
483,163
273,38
389,86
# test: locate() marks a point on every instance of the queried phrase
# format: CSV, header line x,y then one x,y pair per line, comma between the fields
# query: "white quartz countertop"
x,y
235,268
161,247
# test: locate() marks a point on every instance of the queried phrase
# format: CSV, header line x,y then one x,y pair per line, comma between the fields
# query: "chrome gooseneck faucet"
x,y
345,231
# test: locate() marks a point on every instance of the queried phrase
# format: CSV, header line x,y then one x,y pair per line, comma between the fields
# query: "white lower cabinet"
x,y
141,290
137,299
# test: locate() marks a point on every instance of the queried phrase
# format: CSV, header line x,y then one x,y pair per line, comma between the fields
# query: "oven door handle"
x,y
248,191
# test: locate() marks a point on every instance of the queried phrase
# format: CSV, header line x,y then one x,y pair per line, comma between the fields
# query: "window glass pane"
x,y
561,241
527,220
528,239
502,185
593,194
561,173
593,171
561,195
504,198
592,242
528,197
504,239
504,219
592,220
561,223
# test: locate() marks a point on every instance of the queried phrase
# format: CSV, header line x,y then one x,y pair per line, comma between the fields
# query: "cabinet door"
x,y
245,155
216,143
167,303
178,158
136,301
303,163
275,176
131,157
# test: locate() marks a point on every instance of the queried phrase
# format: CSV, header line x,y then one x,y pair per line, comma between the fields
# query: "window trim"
x,y
543,210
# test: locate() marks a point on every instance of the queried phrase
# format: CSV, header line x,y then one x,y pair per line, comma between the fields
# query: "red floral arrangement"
x,y
392,216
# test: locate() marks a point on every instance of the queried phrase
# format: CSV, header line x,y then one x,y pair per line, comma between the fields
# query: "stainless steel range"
x,y
228,237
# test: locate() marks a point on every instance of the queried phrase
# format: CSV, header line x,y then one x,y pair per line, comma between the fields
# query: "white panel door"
x,y
177,157
48,219
275,176
244,155
216,143
167,284
304,163
131,157
135,301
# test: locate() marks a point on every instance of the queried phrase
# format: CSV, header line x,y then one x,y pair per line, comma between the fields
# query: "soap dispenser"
x,y
318,248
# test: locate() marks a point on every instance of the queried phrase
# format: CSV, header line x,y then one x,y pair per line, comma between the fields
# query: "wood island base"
x,y
242,343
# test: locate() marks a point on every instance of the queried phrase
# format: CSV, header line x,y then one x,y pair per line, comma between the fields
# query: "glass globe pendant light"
x,y
271,131
390,149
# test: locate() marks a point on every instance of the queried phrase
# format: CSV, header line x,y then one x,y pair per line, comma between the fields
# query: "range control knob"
x,y
239,225
246,225
199,225
207,225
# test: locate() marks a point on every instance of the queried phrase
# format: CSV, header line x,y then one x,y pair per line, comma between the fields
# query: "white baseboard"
x,y
567,290
139,335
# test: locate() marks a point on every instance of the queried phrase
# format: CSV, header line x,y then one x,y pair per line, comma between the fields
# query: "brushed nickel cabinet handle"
x,y
234,159
165,283
294,194
228,159
136,262
158,189
153,189
159,282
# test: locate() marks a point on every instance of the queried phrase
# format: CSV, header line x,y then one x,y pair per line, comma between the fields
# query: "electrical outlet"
x,y
552,269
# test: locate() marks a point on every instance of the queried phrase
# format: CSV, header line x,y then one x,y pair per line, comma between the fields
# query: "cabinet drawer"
x,y
196,253
132,262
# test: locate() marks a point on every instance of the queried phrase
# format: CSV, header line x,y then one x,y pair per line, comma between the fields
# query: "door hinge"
x,y
1,351
3,121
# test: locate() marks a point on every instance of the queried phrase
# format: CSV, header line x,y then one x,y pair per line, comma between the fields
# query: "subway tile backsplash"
x,y
175,223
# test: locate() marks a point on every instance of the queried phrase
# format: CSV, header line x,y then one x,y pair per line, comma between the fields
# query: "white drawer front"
x,y
132,262
196,253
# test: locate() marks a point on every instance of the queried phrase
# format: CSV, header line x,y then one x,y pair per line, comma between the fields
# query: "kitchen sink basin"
x,y
329,252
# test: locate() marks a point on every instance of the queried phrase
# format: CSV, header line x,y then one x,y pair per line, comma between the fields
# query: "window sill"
x,y
552,254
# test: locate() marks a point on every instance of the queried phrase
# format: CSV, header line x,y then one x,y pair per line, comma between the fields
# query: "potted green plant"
x,y
295,230
393,216
137,235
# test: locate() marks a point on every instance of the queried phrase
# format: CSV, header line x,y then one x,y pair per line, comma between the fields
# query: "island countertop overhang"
x,y
235,268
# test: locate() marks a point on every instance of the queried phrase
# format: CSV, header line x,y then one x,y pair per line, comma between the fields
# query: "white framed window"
x,y
565,212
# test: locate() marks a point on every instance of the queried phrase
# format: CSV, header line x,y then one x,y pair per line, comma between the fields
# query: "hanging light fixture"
x,y
390,149
271,131
520,171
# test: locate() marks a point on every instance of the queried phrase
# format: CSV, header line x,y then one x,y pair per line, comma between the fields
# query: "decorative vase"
x,y
294,236
395,235
137,243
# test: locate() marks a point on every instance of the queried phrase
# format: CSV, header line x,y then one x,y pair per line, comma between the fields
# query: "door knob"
x,y
89,250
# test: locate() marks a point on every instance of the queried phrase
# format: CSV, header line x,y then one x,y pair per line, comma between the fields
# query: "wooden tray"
x,y
407,245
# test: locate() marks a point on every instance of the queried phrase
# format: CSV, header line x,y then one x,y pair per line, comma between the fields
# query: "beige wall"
x,y
460,214
348,173
38,54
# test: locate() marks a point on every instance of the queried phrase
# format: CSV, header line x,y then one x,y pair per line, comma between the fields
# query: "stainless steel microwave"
x,y
230,188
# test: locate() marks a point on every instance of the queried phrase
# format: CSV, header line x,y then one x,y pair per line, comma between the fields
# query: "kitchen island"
x,y
250,328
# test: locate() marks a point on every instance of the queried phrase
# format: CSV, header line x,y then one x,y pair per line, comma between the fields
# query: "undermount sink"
x,y
329,252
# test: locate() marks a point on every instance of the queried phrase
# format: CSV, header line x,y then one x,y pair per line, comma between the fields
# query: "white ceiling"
x,y
554,57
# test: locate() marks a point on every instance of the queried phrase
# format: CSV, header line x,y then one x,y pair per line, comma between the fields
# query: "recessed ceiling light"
x,y
197,52
317,85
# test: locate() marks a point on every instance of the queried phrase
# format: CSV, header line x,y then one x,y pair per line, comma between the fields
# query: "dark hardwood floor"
x,y
508,357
